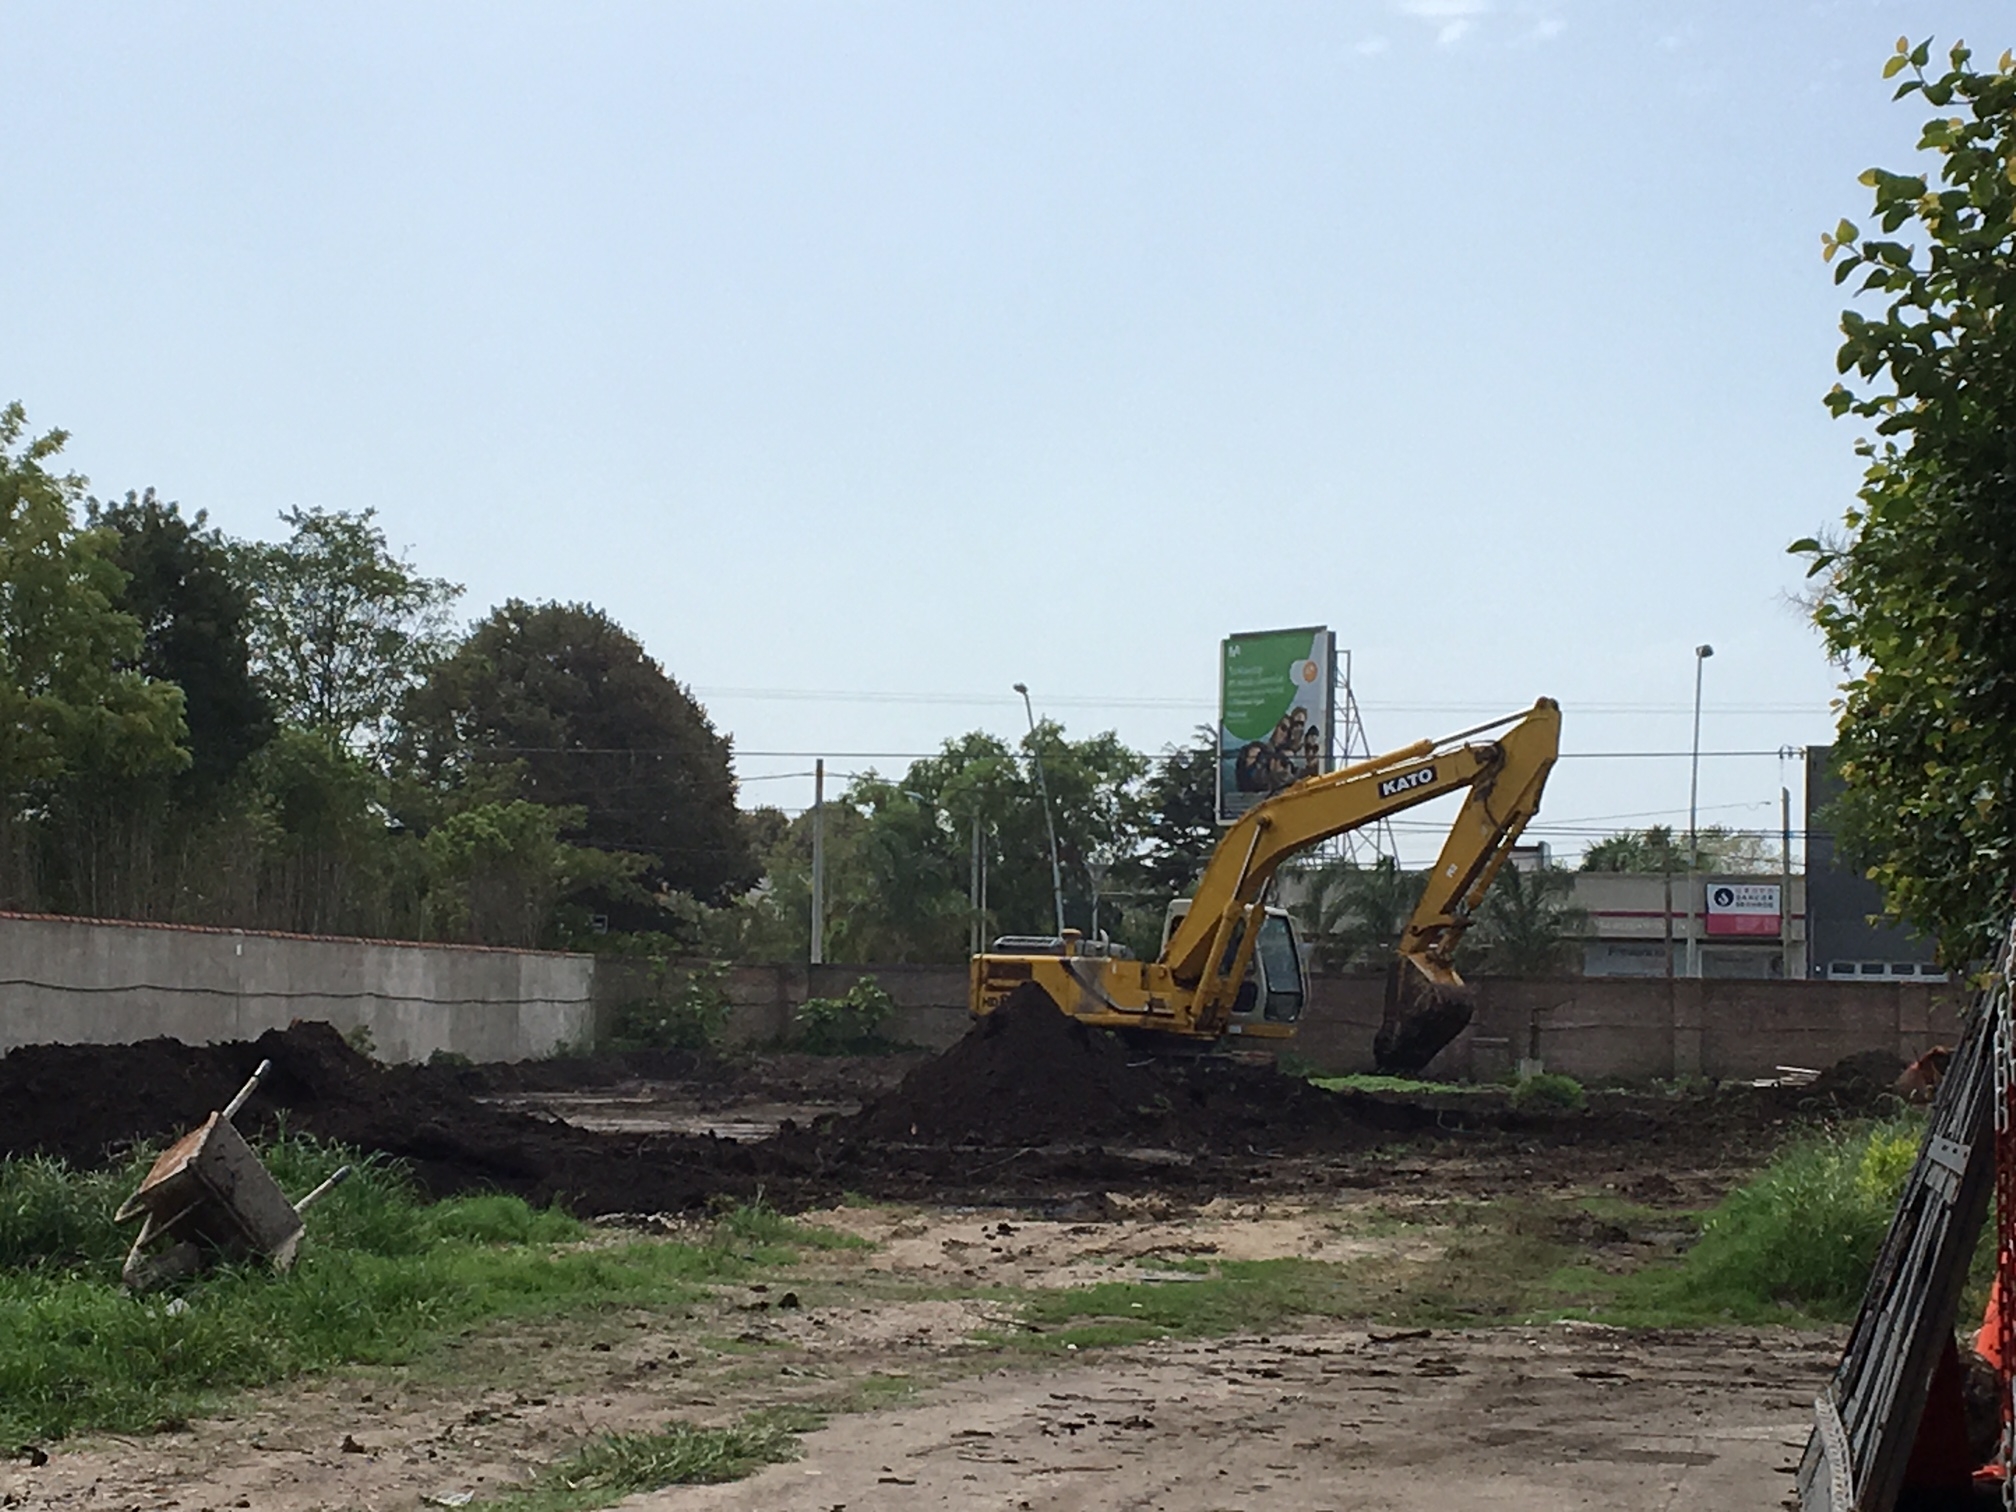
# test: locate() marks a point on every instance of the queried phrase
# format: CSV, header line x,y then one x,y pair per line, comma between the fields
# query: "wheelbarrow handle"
x,y
342,1175
231,1108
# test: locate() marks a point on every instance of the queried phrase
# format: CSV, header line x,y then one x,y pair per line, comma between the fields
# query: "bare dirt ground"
x,y
907,1345
1532,1420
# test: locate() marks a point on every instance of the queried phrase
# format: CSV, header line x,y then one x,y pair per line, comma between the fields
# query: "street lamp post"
x,y
1701,655
1049,821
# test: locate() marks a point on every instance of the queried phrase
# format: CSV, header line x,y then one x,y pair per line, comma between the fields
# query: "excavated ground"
x,y
1029,1109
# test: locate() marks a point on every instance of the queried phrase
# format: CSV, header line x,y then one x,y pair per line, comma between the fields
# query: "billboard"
x,y
1276,713
1743,908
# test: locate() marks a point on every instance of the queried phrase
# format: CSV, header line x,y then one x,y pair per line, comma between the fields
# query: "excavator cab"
x,y
1276,987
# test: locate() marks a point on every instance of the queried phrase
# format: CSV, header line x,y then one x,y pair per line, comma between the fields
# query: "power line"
x,y
1204,711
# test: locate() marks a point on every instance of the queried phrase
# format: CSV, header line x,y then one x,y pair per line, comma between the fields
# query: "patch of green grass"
x,y
760,1224
1500,1262
1793,1245
383,1277
1237,1295
1366,1082
1189,1264
623,1464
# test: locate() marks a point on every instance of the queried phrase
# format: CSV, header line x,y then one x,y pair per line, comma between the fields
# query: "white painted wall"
x,y
75,981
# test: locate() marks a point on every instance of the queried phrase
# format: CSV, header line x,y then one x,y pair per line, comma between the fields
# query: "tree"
x,y
193,615
73,701
1356,914
1916,596
1658,850
1180,822
342,628
1526,926
899,853
498,870
558,704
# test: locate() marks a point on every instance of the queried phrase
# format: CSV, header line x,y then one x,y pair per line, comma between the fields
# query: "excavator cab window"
x,y
1280,969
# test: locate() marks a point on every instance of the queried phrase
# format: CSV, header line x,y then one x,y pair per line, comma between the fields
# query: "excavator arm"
x,y
1502,780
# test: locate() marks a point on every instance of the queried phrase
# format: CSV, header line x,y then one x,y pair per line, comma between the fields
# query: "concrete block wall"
x,y
1598,1028
930,1000
79,981
82,981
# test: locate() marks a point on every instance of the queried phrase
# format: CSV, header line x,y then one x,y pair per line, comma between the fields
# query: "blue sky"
x,y
867,358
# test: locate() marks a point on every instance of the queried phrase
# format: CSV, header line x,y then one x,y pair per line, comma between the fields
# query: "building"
x,y
1638,924
1844,908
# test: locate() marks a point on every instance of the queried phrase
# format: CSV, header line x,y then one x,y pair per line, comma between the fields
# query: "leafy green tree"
x,y
558,704
1916,595
1180,818
1527,926
193,614
331,862
498,871
74,704
899,853
342,627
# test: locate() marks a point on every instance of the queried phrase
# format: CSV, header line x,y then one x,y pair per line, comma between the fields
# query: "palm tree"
x,y
1357,912
1526,926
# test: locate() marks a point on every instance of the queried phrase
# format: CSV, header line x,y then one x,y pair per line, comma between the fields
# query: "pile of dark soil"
x,y
1861,1079
89,1103
1027,1074
1030,1108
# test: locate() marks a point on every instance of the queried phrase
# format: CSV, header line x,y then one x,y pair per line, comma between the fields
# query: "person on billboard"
x,y
1287,748
1312,753
1252,768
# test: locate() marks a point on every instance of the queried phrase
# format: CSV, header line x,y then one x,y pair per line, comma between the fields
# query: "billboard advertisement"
x,y
1275,713
1743,908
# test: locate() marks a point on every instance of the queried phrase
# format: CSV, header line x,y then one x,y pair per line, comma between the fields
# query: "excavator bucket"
x,y
1422,1017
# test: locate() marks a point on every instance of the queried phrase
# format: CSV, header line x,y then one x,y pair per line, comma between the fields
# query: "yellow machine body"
x,y
1205,984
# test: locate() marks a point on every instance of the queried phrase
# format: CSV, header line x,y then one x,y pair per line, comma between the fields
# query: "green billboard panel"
x,y
1275,713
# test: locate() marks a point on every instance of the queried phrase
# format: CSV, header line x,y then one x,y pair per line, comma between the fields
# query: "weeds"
x,y
759,1223
1549,1091
685,1007
383,1277
1795,1243
854,1024
623,1464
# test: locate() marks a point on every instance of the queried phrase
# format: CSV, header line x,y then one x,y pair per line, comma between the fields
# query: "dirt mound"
x,y
1026,1073
89,1103
1031,1109
1862,1077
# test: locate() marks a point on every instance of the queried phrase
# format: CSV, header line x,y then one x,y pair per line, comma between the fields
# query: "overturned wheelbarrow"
x,y
209,1198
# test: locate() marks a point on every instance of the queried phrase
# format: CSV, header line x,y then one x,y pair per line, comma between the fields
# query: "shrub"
x,y
850,1025
1550,1091
686,1008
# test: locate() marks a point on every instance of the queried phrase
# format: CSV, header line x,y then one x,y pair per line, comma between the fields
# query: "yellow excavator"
x,y
1232,965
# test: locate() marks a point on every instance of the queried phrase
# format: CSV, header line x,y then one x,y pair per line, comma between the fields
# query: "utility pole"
x,y
1785,879
1701,655
1049,821
976,894
819,861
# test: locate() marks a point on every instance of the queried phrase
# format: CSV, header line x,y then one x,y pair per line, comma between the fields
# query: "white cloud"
x,y
1453,20
1371,47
